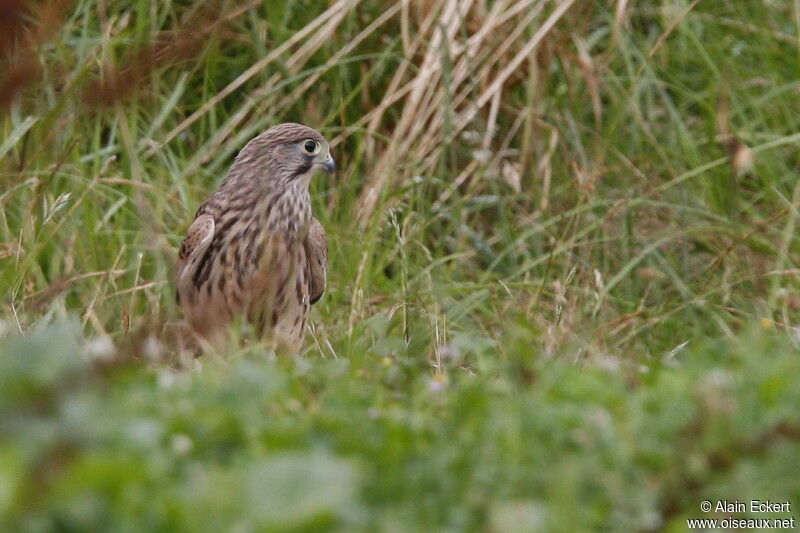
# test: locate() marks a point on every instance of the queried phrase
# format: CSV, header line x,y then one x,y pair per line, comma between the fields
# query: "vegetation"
x,y
563,265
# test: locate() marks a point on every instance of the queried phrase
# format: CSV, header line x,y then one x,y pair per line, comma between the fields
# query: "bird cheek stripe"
x,y
304,168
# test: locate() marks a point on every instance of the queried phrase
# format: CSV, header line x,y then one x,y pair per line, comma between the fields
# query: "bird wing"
x,y
194,245
316,245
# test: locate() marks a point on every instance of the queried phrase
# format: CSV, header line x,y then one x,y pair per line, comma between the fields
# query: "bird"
x,y
254,251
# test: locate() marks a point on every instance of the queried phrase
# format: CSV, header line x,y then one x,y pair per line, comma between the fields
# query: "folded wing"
x,y
316,245
194,246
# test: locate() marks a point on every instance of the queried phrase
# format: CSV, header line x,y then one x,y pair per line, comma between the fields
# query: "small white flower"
x,y
168,378
437,383
482,156
152,349
101,347
449,352
471,136
181,444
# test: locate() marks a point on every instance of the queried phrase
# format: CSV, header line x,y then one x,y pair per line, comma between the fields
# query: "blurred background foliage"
x,y
308,444
563,268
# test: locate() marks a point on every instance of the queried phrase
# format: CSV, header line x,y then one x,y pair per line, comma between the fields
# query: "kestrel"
x,y
254,251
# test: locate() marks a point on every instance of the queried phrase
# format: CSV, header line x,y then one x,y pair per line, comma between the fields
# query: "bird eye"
x,y
311,147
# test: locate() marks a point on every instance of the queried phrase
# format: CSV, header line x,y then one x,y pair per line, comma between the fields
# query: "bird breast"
x,y
287,212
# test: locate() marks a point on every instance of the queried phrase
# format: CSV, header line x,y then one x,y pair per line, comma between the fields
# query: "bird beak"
x,y
328,165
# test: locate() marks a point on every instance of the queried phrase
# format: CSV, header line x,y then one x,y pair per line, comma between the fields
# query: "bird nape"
x,y
254,251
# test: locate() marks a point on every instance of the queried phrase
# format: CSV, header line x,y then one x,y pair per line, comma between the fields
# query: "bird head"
x,y
288,152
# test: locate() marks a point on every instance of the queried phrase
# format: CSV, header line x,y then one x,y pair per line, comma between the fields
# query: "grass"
x,y
563,265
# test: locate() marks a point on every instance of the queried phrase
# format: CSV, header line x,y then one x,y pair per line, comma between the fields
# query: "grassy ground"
x,y
563,265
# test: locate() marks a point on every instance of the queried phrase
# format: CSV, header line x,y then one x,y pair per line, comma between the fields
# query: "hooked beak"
x,y
328,165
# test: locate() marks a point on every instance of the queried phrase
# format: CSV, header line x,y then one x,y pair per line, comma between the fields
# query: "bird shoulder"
x,y
197,239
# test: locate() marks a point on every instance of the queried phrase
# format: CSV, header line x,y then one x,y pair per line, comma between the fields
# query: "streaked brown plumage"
x,y
254,251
